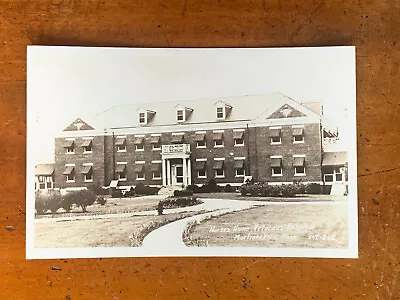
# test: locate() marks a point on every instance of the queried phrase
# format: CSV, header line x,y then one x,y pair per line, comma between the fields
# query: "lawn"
x,y
312,225
97,233
298,198
112,206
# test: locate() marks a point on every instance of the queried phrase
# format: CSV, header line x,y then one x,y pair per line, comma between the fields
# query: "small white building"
x,y
44,177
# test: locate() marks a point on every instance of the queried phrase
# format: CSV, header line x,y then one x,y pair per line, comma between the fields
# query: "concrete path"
x,y
171,234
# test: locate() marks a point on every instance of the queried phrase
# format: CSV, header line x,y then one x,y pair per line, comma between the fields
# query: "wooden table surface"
x,y
372,26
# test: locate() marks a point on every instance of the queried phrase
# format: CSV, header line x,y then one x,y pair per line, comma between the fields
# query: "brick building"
x,y
269,137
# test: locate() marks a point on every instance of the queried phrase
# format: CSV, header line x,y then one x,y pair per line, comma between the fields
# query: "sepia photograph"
x,y
191,152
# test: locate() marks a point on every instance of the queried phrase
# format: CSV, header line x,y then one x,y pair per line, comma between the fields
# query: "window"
x,y
42,184
276,171
88,176
200,140
155,142
240,172
219,168
120,170
139,143
69,146
339,177
219,173
87,172
300,170
121,144
49,185
180,117
238,138
299,165
328,177
218,139
156,175
220,113
140,175
275,134
69,172
142,118
87,146
298,135
201,173
276,166
201,144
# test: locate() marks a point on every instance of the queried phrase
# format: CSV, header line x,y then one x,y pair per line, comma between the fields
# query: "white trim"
x,y
156,178
219,146
219,158
155,134
144,112
238,145
219,176
239,158
140,149
276,175
122,150
238,176
140,135
70,165
299,155
275,127
70,139
276,143
120,136
239,130
275,156
87,164
140,162
178,133
201,147
156,161
201,159
200,132
297,126
219,131
121,163
205,172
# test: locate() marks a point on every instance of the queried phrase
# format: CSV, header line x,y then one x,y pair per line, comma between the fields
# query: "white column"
x,y
189,172
164,178
184,171
168,172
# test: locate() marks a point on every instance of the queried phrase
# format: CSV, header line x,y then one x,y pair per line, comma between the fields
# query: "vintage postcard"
x,y
191,152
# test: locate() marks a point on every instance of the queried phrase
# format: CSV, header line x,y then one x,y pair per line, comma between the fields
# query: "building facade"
x,y
271,138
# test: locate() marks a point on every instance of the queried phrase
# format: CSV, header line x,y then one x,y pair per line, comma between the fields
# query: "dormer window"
x,y
182,113
142,118
222,110
220,113
145,116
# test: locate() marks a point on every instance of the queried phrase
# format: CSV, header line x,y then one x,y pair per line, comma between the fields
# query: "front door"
x,y
177,174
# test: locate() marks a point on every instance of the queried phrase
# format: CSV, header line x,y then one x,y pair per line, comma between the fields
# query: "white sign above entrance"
x,y
176,149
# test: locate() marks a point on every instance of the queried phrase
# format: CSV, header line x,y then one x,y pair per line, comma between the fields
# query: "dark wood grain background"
x,y
372,26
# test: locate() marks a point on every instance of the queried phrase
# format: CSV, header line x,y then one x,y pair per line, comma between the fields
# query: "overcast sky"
x,y
69,82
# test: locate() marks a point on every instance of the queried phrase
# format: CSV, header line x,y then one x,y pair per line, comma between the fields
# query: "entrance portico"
x,y
176,165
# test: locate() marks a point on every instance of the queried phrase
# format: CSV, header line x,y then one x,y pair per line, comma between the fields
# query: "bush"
x,y
313,188
193,187
98,190
244,189
228,188
266,190
101,200
142,189
116,193
47,200
179,202
82,198
183,193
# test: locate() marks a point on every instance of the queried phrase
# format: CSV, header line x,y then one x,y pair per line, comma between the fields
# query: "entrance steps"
x,y
169,190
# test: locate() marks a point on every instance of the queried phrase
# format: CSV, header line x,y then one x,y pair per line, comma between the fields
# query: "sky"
x,y
65,83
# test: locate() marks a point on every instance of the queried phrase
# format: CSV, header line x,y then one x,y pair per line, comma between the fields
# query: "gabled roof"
x,y
244,108
44,169
77,125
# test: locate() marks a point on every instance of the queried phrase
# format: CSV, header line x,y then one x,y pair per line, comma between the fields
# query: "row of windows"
x,y
69,146
86,173
182,113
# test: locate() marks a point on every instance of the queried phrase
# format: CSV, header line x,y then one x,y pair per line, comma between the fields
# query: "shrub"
x,y
130,192
142,189
193,187
116,193
179,202
101,200
183,193
47,200
228,188
160,208
313,188
244,189
82,198
98,190
266,190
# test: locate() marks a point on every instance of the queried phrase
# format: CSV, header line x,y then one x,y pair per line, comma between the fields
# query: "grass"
x,y
293,225
298,198
100,233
